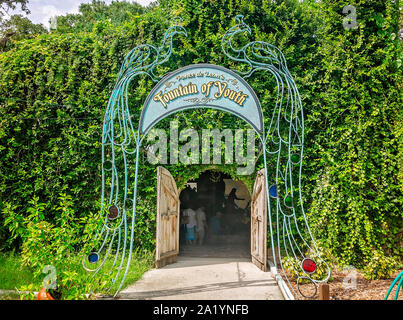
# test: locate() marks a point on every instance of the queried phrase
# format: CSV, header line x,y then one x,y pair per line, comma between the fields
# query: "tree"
x,y
91,13
6,5
16,26
19,27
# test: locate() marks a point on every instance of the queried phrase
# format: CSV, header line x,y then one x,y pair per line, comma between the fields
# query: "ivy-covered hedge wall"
x,y
54,90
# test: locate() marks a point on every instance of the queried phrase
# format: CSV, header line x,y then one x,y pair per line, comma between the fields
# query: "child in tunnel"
x,y
190,226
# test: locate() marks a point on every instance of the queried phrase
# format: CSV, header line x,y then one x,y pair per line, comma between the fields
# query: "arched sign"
x,y
202,86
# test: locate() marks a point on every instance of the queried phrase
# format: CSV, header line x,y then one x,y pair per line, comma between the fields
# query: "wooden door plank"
x,y
259,222
167,219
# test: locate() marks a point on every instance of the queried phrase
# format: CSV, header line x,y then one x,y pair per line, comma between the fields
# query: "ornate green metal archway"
x,y
190,87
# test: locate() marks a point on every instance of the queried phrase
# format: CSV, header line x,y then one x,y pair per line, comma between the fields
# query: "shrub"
x,y
54,90
294,268
379,266
58,244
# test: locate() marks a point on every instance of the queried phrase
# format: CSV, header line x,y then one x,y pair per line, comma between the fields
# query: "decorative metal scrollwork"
x,y
283,140
120,140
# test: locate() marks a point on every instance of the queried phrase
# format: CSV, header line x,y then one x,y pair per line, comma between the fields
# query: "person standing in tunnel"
x,y
191,225
230,204
201,224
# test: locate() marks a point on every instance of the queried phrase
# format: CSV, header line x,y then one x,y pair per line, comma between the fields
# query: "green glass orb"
x,y
288,201
295,158
107,165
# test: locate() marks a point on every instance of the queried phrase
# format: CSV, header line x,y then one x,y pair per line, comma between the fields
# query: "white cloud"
x,y
43,10
43,14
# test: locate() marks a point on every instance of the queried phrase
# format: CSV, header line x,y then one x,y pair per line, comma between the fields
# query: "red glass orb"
x,y
113,212
309,265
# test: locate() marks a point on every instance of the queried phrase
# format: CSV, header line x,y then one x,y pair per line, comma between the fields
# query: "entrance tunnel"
x,y
226,207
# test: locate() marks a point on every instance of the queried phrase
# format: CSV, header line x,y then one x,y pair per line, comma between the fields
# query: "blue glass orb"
x,y
93,257
273,191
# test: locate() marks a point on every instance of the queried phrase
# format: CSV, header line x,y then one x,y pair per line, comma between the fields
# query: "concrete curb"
x,y
285,291
2,292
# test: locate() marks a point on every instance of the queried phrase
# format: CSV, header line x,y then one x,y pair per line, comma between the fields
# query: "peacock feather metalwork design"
x,y
283,141
120,139
258,55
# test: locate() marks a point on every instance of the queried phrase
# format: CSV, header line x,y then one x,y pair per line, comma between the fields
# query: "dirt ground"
x,y
349,289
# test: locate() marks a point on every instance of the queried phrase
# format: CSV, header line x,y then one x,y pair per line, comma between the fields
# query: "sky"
x,y
43,10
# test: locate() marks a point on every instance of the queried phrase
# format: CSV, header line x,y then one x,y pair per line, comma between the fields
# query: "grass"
x,y
10,296
13,275
141,263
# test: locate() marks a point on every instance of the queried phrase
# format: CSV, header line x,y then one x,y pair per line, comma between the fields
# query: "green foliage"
x,y
13,274
16,27
6,5
54,90
379,266
294,266
61,244
96,11
22,27
45,243
354,135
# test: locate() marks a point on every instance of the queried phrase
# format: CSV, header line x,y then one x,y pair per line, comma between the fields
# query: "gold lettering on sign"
x,y
181,91
219,89
238,97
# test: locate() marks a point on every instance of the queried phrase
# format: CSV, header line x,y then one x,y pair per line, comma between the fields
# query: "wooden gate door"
x,y
167,242
259,222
